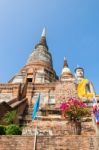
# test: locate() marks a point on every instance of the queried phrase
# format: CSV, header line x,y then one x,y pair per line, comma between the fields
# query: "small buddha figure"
x,y
85,87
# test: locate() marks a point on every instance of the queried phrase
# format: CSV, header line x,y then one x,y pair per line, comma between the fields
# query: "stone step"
x,y
50,118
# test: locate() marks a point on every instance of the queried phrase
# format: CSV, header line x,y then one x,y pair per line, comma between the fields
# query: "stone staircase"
x,y
27,115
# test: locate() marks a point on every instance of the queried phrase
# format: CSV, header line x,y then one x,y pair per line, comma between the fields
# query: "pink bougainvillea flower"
x,y
74,108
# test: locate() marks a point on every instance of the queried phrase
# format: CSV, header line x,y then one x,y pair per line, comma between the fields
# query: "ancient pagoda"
x,y
36,77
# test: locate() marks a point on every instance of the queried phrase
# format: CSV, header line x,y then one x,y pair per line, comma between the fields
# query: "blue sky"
x,y
72,31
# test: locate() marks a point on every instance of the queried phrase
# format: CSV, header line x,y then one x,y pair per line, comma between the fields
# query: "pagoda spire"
x,y
43,39
65,62
43,32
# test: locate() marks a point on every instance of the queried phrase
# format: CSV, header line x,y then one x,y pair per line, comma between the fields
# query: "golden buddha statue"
x,y
85,87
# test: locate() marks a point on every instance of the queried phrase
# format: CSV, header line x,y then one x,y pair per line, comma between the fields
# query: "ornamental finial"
x,y
43,32
65,62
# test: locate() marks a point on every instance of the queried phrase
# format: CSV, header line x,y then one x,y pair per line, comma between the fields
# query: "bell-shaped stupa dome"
x,y
41,52
66,73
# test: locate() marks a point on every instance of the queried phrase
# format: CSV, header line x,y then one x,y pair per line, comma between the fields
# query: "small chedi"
x,y
39,77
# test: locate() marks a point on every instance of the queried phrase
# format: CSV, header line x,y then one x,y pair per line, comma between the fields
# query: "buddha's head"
x,y
79,72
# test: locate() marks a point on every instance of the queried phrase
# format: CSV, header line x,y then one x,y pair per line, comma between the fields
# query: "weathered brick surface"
x,y
65,90
68,143
58,127
16,143
49,142
9,91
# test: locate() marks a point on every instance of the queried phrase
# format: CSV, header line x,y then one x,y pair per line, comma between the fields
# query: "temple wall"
x,y
5,97
57,127
65,90
55,92
33,91
9,91
74,142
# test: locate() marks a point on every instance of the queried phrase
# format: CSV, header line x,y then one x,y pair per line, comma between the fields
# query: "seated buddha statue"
x,y
85,87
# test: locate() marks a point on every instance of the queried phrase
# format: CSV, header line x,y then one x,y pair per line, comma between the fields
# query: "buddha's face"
x,y
79,73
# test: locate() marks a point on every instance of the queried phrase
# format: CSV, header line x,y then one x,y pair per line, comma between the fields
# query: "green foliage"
x,y
9,117
2,130
77,113
13,130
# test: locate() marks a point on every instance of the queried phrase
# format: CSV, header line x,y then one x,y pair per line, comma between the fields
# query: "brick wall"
x,y
65,90
58,127
9,91
68,143
49,143
16,143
